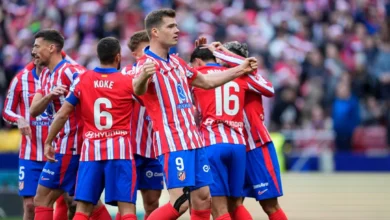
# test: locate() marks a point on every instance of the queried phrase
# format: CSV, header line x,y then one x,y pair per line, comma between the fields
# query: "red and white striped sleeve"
x,y
11,102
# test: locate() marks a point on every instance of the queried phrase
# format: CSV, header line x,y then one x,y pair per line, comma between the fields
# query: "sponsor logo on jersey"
x,y
180,92
105,134
206,168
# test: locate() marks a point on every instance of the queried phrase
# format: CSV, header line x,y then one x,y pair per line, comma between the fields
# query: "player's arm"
x,y
258,84
40,102
10,106
213,80
58,123
141,82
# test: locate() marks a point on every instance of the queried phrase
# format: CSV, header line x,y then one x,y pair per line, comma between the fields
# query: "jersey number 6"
x,y
98,114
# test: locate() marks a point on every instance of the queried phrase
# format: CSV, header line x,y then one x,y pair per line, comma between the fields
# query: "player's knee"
x,y
150,205
201,198
29,205
270,205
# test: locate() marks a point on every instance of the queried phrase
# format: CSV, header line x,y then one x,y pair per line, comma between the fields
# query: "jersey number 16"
x,y
223,98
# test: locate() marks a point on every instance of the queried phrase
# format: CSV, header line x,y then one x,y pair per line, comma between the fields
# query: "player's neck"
x,y
54,61
159,50
105,66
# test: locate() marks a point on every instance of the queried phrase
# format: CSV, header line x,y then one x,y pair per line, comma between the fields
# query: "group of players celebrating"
x,y
198,126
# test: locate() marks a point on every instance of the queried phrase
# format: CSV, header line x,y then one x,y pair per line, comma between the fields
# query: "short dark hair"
x,y
107,49
137,38
237,48
52,36
154,18
202,53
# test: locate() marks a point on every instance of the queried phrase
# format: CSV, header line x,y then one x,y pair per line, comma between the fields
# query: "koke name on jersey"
x,y
103,84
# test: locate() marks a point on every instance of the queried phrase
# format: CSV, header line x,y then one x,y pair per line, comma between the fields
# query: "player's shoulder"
x,y
128,70
74,68
210,69
178,60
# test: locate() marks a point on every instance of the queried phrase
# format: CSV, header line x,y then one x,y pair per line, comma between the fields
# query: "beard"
x,y
119,66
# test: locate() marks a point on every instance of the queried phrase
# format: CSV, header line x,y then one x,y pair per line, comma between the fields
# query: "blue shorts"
x,y
117,177
228,166
29,172
263,173
186,168
61,174
149,173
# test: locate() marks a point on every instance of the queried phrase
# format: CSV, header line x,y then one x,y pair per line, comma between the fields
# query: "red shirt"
x,y
17,104
169,104
141,129
256,132
69,139
221,108
106,99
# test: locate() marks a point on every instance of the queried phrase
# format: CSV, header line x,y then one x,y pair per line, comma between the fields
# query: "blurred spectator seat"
x,y
9,140
369,139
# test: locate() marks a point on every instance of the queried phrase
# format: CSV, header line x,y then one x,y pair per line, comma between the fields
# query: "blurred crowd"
x,y
329,60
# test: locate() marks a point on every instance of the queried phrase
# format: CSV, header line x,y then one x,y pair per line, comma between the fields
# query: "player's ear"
x,y
154,32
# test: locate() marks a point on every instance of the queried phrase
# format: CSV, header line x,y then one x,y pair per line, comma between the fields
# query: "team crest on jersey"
x,y
180,92
189,74
21,185
181,175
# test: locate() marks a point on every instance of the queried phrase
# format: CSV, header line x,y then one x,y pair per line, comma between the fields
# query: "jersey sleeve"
x,y
230,58
11,102
256,83
74,92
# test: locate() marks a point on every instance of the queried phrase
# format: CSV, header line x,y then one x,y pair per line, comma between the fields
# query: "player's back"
x,y
106,101
221,109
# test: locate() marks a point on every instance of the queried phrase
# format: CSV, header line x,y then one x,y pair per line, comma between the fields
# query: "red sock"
x,y
100,213
118,216
80,216
129,217
43,213
241,213
224,217
200,214
165,212
146,217
278,215
61,210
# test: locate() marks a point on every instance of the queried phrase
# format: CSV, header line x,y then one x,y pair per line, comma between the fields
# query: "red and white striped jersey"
x,y
69,140
106,99
169,104
256,132
141,129
17,104
222,110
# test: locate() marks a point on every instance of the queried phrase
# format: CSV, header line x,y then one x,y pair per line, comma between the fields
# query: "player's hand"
x,y
50,153
24,127
249,65
200,41
215,46
149,68
58,91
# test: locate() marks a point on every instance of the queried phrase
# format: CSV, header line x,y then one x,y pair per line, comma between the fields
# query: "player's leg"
x,y
70,205
29,172
200,193
264,175
56,178
237,168
120,186
179,171
150,182
89,187
219,189
61,209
